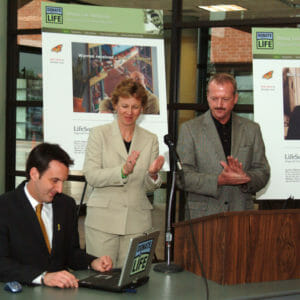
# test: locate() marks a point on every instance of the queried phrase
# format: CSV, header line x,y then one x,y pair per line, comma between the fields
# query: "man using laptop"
x,y
39,239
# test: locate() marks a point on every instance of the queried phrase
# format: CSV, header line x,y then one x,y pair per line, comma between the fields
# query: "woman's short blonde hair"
x,y
129,88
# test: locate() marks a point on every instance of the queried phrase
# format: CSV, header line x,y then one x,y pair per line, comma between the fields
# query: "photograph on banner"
x,y
98,68
276,90
153,21
291,103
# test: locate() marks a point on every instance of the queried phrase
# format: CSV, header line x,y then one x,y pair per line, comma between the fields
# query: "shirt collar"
x,y
218,124
33,201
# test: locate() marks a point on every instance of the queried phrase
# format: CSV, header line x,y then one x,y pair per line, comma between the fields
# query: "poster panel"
x,y
276,84
87,51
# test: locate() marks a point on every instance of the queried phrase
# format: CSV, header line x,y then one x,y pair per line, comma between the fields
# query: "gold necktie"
x,y
39,216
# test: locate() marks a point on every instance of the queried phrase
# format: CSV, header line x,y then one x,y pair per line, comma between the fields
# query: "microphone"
x,y
169,142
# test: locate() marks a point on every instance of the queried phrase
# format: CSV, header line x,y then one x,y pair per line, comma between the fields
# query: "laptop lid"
x,y
139,258
135,270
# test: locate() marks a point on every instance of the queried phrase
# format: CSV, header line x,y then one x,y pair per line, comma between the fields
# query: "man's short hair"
x,y
221,78
154,14
43,154
129,88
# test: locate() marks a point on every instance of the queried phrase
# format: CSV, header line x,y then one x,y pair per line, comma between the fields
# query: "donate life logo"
x,y
264,40
141,257
54,15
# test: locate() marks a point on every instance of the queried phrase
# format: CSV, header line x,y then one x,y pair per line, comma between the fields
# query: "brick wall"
x,y
229,45
29,17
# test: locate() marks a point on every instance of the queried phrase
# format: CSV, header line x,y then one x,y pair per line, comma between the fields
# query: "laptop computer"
x,y
135,271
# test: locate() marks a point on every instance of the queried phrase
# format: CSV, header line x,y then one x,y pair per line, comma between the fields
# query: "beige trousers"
x,y
99,243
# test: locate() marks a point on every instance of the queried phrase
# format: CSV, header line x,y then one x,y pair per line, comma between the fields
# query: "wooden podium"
x,y
242,247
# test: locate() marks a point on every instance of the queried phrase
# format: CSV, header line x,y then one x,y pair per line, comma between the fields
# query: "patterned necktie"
x,y
39,216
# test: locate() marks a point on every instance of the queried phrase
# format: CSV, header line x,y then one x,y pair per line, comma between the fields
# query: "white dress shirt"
x,y
47,216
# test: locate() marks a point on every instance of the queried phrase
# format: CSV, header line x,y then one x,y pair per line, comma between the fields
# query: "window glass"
x,y
21,123
19,180
244,82
245,88
224,54
245,97
21,89
29,82
246,115
29,132
30,118
34,124
241,10
185,115
29,123
188,66
23,149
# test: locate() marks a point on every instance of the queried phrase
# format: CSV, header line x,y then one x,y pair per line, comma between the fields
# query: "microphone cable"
x,y
169,141
193,236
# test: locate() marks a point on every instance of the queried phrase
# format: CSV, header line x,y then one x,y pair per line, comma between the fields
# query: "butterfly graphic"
x,y
57,48
268,75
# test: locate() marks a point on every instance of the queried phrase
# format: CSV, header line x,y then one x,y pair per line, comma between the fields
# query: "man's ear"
x,y
236,98
34,174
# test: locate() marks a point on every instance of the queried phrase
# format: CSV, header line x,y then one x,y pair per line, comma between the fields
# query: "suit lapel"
x,y
29,216
237,132
57,225
117,140
210,130
138,140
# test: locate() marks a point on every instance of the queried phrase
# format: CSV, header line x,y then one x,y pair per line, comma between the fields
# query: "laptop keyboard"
x,y
111,277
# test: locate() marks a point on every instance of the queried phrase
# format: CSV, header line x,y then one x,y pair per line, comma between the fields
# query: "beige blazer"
x,y
116,205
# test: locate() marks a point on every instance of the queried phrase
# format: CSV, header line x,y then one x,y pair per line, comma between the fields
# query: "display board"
x,y
276,84
87,51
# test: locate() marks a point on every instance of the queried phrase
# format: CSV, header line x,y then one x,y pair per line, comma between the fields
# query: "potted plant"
x,y
79,84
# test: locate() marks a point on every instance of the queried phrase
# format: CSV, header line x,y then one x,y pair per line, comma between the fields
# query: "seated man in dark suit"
x,y
38,248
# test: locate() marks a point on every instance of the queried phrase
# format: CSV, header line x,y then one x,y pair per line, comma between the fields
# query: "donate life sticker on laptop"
x,y
141,257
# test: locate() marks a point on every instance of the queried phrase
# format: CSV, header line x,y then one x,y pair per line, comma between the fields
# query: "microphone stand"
x,y
167,267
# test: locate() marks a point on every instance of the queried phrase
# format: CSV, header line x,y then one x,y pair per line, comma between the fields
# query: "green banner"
x,y
78,19
272,43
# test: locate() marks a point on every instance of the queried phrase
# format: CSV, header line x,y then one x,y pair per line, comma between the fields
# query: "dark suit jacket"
x,y
23,251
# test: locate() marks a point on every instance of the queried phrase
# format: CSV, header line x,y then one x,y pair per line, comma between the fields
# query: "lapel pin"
x,y
58,227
